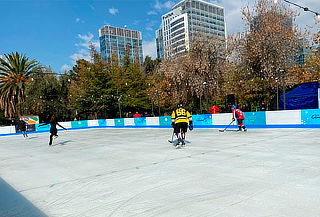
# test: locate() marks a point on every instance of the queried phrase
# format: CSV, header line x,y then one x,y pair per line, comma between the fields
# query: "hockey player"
x,y
53,128
181,118
239,115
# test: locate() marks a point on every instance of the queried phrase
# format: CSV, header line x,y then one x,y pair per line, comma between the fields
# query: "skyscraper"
x,y
119,42
186,19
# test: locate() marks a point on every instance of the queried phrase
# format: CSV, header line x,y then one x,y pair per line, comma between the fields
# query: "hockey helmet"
x,y
179,105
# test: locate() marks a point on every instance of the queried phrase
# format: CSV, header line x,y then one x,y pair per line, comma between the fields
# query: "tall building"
x,y
186,19
118,42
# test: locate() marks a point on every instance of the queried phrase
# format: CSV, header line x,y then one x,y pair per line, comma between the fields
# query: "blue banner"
x,y
255,118
310,117
165,120
102,122
79,124
140,122
43,128
202,120
119,122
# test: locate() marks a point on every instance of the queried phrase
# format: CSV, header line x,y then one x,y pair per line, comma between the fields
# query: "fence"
x,y
265,119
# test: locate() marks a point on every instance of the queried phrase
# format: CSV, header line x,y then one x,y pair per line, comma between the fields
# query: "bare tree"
x,y
198,73
269,43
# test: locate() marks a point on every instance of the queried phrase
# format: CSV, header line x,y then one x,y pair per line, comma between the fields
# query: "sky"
x,y
57,32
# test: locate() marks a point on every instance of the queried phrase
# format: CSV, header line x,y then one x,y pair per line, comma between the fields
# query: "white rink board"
x,y
152,121
288,117
222,119
93,123
7,130
65,125
129,122
110,122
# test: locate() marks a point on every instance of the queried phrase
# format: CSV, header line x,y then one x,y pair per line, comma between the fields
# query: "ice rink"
x,y
137,172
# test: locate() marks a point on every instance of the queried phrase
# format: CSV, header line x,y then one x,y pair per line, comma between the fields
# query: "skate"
x,y
178,145
183,143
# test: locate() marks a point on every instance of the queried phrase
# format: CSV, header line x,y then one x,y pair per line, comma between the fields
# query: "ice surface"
x,y
136,172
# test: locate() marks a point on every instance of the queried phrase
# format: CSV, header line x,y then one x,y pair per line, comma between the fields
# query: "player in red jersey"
x,y
239,115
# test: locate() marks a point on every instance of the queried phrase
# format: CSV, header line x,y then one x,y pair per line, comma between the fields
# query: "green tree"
x,y
91,90
47,95
149,65
15,71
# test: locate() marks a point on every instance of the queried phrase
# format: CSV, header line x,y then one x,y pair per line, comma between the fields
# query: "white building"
x,y
187,18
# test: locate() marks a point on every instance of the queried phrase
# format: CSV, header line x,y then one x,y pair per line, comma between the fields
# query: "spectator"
x,y
129,115
137,115
263,107
214,109
245,108
146,114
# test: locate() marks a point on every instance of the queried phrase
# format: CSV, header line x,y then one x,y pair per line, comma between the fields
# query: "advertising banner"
x,y
202,120
152,121
319,98
32,119
255,118
289,117
79,124
165,121
102,122
310,117
119,122
140,122
128,122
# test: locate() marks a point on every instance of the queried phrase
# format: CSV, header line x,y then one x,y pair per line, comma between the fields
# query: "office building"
x,y
119,42
186,19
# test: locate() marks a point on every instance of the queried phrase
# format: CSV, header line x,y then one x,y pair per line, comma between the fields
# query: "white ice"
x,y
136,172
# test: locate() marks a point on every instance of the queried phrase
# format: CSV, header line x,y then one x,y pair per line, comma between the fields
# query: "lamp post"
x,y
206,92
158,96
283,75
317,15
119,103
204,88
277,88
152,110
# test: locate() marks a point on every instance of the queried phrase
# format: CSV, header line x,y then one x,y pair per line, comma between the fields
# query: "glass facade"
x,y
188,18
119,42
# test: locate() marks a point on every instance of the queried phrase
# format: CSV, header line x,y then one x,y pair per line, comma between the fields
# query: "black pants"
x,y
181,128
52,134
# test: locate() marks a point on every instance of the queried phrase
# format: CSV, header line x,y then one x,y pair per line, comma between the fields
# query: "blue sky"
x,y
57,32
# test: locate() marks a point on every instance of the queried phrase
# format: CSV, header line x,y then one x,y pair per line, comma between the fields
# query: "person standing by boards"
x,y
22,126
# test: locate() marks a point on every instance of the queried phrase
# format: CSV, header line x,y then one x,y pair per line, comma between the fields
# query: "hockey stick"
x,y
226,127
171,141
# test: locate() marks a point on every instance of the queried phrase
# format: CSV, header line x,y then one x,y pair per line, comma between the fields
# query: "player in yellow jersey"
x,y
181,118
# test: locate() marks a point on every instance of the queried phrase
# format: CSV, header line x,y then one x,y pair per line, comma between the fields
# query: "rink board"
x,y
309,118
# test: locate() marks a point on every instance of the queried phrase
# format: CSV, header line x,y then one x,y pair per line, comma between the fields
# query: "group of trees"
x,y
246,65
92,89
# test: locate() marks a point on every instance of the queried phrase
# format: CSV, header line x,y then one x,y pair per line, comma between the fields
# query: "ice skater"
x,y
53,128
22,126
239,115
181,118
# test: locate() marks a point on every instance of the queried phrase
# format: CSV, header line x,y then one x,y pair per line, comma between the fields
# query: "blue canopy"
x,y
304,96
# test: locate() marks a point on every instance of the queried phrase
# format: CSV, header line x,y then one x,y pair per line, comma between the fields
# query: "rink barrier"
x,y
270,119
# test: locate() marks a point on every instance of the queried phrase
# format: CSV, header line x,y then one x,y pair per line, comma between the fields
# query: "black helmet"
x,y
179,105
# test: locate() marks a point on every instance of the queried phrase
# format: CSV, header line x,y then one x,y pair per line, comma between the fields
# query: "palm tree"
x,y
15,70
